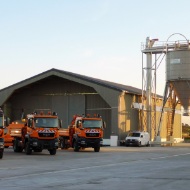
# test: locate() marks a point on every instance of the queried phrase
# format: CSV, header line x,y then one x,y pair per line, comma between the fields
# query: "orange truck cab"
x,y
38,132
85,132
1,133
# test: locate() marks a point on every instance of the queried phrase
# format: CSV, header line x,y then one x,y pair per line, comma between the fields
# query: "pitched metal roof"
x,y
108,84
6,92
116,86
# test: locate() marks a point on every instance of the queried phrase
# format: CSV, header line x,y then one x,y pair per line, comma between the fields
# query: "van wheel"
x,y
148,144
139,144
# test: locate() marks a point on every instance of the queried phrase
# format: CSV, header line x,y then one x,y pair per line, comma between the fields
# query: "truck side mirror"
x,y
104,124
30,123
79,124
60,123
7,121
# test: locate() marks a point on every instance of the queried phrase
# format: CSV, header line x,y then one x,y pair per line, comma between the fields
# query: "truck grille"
x,y
92,134
46,134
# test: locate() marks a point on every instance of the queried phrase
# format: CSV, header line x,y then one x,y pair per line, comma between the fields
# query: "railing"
x,y
163,47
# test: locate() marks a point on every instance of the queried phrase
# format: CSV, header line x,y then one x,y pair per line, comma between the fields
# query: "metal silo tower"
x,y
177,86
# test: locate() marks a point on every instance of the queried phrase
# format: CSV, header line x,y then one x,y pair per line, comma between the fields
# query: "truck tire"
x,y
62,144
52,151
17,148
76,147
28,151
1,154
97,149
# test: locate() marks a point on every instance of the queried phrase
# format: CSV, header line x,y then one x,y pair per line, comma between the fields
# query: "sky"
x,y
97,38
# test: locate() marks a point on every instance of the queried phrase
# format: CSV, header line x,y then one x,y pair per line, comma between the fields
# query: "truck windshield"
x,y
134,135
46,122
92,123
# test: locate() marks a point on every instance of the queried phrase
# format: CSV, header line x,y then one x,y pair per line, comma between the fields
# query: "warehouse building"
x,y
69,93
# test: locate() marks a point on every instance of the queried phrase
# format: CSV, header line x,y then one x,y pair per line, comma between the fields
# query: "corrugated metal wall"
x,y
128,117
62,96
68,105
96,105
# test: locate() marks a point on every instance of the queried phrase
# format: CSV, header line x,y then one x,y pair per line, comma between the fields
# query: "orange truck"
x,y
36,132
1,133
83,132
13,131
64,138
8,139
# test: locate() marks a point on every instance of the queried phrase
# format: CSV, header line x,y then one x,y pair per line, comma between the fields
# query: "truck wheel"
x,y
76,147
52,152
27,148
97,149
17,148
1,154
20,149
62,144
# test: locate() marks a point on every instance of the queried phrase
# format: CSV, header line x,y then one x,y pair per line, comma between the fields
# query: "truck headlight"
x,y
1,144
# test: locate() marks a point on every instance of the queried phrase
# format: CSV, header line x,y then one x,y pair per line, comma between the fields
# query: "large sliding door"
x,y
67,106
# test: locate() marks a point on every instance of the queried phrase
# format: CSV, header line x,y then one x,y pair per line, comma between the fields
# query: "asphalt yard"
x,y
113,168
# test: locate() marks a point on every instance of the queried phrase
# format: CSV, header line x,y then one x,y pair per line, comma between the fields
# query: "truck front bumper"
x,y
90,142
1,143
38,144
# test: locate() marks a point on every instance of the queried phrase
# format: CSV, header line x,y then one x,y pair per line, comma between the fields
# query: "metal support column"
x,y
148,92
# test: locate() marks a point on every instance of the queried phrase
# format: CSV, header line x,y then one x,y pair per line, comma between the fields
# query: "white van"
x,y
137,138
